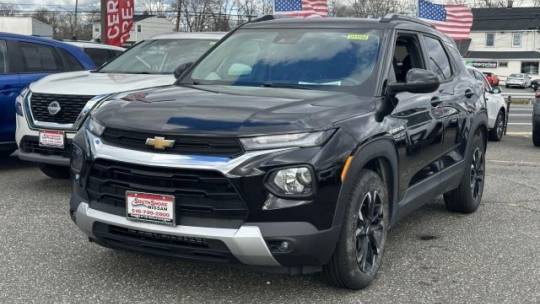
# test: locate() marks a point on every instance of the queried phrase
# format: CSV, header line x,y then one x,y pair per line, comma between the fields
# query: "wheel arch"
x,y
380,155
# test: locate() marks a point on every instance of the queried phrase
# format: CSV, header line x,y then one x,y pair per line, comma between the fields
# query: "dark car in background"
x,y
25,59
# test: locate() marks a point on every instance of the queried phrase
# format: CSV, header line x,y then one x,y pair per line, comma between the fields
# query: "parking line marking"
x,y
517,163
520,124
519,133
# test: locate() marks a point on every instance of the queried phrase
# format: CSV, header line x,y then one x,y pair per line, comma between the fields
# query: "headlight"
x,y
20,100
310,139
291,182
90,106
95,127
77,158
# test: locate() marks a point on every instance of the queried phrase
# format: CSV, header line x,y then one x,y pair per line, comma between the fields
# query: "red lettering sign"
x,y
119,20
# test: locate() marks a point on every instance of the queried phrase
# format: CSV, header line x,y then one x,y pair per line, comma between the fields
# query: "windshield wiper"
x,y
286,85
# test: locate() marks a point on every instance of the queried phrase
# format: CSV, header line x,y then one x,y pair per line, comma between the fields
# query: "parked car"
x,y
496,106
24,59
535,84
492,79
99,53
294,144
55,107
518,80
536,120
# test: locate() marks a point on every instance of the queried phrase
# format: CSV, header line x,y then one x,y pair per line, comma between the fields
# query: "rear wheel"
x,y
359,251
467,196
496,133
52,171
536,134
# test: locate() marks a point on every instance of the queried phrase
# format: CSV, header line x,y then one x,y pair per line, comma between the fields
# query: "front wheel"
x,y
359,251
497,132
536,134
56,172
467,196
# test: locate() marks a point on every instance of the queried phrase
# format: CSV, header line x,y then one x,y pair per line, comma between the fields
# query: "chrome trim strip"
x,y
223,164
246,243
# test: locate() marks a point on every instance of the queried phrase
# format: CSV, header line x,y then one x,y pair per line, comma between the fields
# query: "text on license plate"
x,y
148,207
51,138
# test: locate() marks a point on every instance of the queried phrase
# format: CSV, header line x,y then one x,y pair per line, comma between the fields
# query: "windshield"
x,y
161,56
291,58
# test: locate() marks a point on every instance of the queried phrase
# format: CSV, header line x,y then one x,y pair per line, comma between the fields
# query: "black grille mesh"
x,y
71,107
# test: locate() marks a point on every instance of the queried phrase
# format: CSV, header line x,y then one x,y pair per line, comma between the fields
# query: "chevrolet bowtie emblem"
x,y
160,143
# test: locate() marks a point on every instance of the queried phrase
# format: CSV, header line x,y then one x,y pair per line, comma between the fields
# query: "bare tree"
x,y
7,9
155,7
368,8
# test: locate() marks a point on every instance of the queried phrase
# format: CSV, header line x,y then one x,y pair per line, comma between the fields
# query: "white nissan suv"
x,y
55,107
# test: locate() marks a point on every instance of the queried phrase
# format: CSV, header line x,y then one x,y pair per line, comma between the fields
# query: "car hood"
x,y
231,110
91,83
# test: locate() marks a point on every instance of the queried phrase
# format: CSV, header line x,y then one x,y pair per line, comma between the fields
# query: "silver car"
x,y
518,80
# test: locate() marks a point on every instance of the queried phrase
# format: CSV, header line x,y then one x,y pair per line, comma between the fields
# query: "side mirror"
x,y
181,69
496,90
417,81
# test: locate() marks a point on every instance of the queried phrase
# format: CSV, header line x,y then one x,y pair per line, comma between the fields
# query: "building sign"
x,y
117,21
484,64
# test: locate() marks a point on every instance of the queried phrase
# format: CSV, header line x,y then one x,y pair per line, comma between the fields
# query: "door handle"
x,y
435,101
469,93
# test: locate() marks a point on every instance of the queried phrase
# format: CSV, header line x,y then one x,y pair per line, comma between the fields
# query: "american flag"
x,y
301,8
453,20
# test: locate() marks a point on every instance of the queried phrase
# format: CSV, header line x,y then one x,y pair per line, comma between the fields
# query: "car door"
x,y
446,107
9,89
421,146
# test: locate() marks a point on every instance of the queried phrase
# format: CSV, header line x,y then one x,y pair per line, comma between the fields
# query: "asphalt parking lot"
x,y
432,256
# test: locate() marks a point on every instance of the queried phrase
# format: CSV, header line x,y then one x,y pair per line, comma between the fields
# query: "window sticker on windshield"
x,y
360,37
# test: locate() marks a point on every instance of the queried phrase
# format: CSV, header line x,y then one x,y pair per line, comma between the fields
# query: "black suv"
x,y
292,144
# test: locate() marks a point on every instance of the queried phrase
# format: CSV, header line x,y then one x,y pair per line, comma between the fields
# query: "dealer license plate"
x,y
148,207
51,138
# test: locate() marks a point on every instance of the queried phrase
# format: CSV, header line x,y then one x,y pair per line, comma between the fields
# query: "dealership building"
x,y
505,41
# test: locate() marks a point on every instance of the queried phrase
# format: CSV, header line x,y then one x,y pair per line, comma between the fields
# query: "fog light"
x,y
273,202
297,181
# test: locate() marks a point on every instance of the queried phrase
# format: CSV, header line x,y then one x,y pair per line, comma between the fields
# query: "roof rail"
x,y
395,17
270,17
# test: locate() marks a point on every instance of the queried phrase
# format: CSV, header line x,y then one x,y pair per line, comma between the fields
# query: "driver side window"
x,y
407,55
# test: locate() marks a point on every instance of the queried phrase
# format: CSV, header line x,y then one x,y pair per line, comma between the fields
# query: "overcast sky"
x,y
92,4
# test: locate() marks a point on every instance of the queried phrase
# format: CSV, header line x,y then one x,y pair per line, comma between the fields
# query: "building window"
x,y
529,67
490,39
503,64
139,28
516,39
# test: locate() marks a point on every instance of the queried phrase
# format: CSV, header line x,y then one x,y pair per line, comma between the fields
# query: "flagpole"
x,y
417,8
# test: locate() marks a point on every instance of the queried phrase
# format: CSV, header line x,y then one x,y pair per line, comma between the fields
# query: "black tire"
x,y
496,134
57,172
360,247
507,86
467,196
536,134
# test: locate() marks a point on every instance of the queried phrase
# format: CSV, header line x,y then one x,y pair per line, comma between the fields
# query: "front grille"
x,y
198,193
30,144
71,106
219,146
162,244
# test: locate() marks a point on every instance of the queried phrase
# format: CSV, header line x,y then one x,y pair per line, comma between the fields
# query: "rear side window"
x,y
99,56
3,57
39,58
70,63
438,61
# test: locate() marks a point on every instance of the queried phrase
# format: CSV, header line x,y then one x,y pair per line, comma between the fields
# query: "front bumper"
x,y
57,157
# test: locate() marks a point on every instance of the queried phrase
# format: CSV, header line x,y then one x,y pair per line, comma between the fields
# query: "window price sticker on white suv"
x,y
51,138
147,207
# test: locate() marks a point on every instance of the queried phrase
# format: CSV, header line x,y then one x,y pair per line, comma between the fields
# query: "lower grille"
x,y
198,193
70,107
30,144
162,244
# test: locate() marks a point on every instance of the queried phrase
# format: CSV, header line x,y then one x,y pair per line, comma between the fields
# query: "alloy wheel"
x,y
500,126
369,233
477,173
